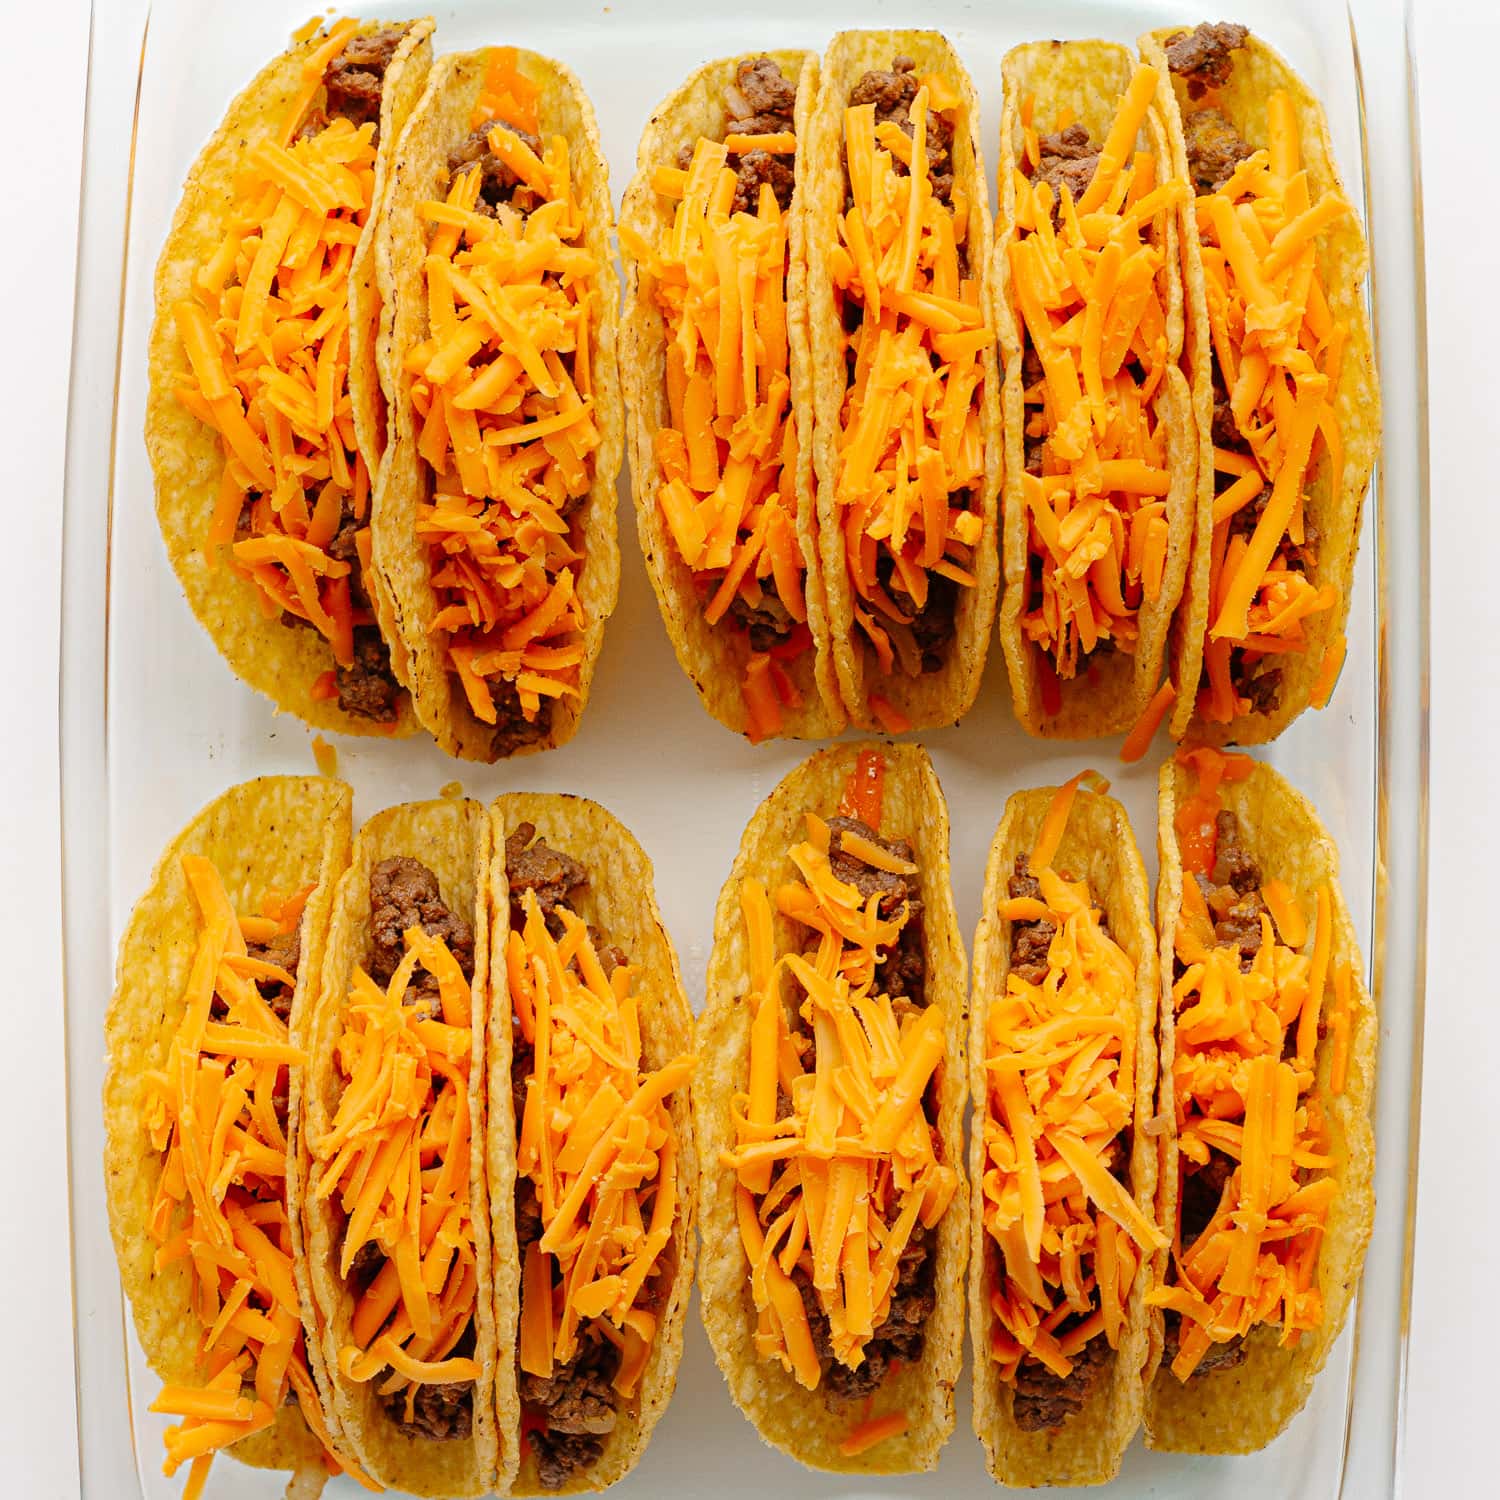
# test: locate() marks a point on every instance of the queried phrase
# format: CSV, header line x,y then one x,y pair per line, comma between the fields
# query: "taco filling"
x,y
503,405
1058,1205
266,334
1254,992
217,1113
398,1156
910,446
841,1176
596,1166
728,451
1088,264
1275,358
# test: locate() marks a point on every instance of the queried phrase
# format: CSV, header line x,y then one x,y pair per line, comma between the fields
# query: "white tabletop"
x,y
1455,1317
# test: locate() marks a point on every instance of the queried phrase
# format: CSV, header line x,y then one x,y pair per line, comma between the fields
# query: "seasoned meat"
x,y
1068,158
367,687
768,624
441,1411
766,90
1030,942
1045,1400
757,167
933,625
892,93
1034,443
531,864
1259,683
1201,1191
1216,1357
895,891
903,969
1233,863
355,78
513,730
576,1407
404,893
1200,57
1214,148
498,183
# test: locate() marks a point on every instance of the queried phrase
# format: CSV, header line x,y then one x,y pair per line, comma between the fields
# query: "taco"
x,y
830,1111
907,397
1062,1067
592,1165
495,507
1100,448
1285,393
264,422
1268,1039
217,977
720,392
395,1209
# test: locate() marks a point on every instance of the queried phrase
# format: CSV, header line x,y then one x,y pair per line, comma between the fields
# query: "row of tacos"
x,y
400,1160
408,1132
387,408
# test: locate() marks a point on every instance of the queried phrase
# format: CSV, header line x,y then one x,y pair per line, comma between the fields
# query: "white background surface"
x,y
1454,1310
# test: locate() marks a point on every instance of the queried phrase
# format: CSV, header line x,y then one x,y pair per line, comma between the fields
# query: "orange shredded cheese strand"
x,y
836,1170
505,411
397,1157
596,1139
1060,1059
727,456
910,442
265,331
221,1199
874,1430
1143,731
1278,352
1241,1091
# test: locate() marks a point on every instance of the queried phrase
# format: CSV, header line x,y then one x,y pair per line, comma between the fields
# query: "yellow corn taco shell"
x,y
1097,847
620,902
1333,493
716,656
1241,1409
407,482
1112,687
187,457
452,838
272,835
928,699
811,1425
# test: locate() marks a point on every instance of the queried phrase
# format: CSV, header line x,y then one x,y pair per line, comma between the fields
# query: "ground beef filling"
x,y
498,184
405,893
1044,1400
1200,57
568,1415
892,93
900,1339
1068,159
355,78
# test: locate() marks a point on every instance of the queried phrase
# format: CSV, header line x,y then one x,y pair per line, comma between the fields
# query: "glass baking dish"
x,y
154,725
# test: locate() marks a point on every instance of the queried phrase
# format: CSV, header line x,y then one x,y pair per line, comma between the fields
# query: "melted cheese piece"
x,y
220,1203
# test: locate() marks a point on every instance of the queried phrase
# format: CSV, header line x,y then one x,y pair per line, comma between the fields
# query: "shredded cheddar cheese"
x,y
728,452
1089,298
837,1167
597,1142
1244,1075
397,1155
1060,1062
504,407
212,1112
911,456
1278,352
266,336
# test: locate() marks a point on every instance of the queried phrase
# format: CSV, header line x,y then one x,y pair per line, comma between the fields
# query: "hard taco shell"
x,y
419,172
1113,688
807,1424
277,833
186,458
1343,258
713,656
452,838
1098,847
1241,1409
934,698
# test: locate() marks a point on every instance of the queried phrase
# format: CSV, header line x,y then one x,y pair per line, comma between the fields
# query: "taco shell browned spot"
x,y
277,833
452,838
809,1425
1241,1409
1098,847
